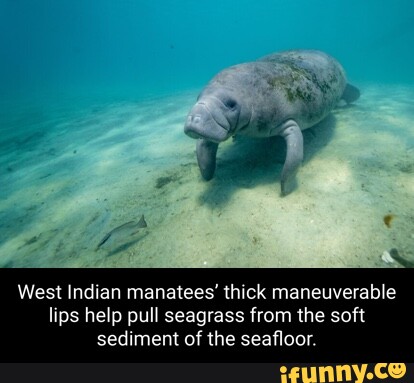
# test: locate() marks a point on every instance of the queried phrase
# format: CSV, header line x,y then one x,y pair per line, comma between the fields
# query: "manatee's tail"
x,y
351,94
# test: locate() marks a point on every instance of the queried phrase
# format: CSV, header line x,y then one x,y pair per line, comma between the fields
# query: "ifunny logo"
x,y
341,373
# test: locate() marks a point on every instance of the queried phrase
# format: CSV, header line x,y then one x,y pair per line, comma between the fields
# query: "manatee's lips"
x,y
201,123
219,117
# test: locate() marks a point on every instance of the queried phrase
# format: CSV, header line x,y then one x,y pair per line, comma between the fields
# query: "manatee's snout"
x,y
201,123
193,125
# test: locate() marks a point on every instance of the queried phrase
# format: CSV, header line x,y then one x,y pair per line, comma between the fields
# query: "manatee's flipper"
x,y
294,155
351,94
206,158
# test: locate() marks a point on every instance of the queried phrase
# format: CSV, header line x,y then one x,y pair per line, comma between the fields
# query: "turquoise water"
x,y
93,99
129,48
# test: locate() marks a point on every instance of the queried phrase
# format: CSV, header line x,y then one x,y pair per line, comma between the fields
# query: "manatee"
x,y
278,95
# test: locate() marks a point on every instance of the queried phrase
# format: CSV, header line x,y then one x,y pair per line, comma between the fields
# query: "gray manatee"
x,y
278,95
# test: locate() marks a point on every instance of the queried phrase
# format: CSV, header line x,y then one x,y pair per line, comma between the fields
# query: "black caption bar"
x,y
209,372
206,315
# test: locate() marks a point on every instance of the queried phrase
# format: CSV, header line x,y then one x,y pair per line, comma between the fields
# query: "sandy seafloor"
x,y
69,176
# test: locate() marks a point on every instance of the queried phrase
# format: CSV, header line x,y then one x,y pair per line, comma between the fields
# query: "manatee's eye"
x,y
230,103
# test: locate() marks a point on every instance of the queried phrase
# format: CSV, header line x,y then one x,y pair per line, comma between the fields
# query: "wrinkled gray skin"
x,y
277,95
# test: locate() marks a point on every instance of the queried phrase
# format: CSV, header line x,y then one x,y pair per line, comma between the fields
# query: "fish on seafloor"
x,y
123,231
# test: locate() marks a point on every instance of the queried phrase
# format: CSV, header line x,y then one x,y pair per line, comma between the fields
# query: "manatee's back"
x,y
300,85
312,82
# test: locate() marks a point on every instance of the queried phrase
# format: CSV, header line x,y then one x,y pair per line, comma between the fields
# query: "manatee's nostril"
x,y
191,119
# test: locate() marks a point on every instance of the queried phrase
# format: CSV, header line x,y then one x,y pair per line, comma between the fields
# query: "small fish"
x,y
123,231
